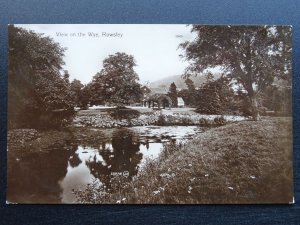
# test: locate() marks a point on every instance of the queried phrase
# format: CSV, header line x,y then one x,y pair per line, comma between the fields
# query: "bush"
x,y
123,113
203,122
220,120
186,121
161,120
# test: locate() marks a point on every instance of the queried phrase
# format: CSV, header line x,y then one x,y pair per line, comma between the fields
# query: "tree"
x,y
191,91
35,86
117,83
214,96
252,56
173,94
77,92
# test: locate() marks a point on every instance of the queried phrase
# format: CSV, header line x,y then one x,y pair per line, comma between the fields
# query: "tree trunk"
x,y
254,108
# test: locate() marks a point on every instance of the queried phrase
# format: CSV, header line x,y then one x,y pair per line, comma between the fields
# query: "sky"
x,y
154,47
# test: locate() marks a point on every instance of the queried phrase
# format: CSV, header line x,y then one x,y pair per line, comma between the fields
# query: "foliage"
x,y
77,89
161,121
214,96
173,94
188,95
117,83
35,86
146,91
191,91
277,98
123,113
252,56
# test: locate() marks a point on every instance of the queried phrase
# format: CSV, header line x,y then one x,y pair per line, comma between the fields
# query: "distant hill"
x,y
162,85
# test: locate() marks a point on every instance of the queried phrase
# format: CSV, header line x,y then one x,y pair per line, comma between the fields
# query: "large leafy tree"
x,y
117,83
35,87
252,56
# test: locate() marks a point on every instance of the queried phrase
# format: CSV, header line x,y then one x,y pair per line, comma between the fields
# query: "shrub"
x,y
123,113
220,120
161,120
203,122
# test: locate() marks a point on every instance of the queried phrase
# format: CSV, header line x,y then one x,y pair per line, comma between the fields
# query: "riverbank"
x,y
244,162
100,118
82,129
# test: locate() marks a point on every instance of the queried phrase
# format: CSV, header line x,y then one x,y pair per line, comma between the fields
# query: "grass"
x,y
243,162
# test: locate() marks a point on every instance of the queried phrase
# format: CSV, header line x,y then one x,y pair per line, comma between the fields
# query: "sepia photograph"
x,y
149,114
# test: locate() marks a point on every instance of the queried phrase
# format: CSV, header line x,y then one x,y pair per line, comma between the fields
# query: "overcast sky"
x,y
154,47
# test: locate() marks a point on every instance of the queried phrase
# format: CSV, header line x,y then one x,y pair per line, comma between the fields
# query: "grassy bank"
x,y
243,162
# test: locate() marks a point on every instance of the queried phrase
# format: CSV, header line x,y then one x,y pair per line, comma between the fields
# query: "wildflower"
x,y
161,188
252,177
190,165
165,175
156,192
118,202
206,175
190,189
231,188
123,199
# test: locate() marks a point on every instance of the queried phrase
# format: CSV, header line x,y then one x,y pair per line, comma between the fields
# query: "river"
x,y
50,177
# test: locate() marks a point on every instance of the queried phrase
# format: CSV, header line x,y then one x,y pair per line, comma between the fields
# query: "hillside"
x,y
162,85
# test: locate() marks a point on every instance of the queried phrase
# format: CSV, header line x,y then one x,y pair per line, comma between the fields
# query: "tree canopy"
x,y
252,56
35,86
117,83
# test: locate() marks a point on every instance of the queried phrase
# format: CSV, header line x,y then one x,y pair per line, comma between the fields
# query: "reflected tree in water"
x,y
123,156
35,178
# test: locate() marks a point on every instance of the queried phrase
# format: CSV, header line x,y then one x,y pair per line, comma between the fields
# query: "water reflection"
x,y
50,177
34,178
122,154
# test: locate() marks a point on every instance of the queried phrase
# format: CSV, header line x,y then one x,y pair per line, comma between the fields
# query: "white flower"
x,y
206,175
190,189
118,202
156,192
190,165
252,177
231,188
123,199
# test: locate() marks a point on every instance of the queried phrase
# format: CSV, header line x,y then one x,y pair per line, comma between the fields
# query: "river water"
x,y
50,177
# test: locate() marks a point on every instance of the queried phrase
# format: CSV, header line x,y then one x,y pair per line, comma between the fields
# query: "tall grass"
x,y
245,162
